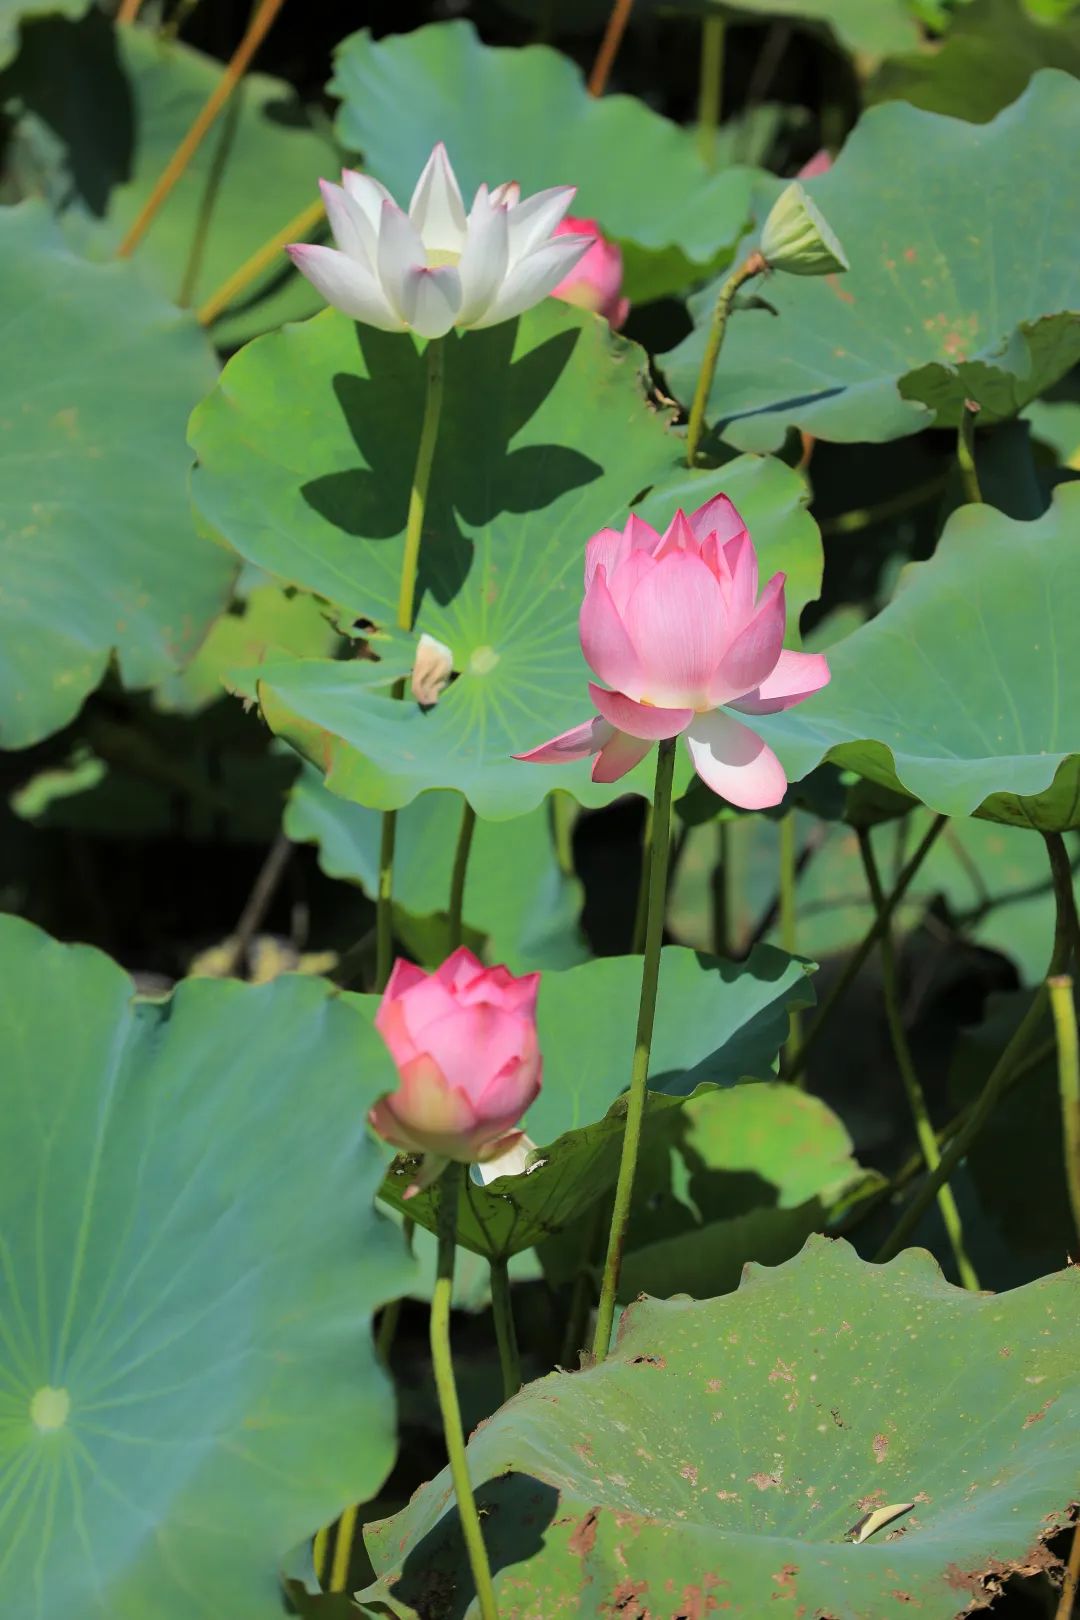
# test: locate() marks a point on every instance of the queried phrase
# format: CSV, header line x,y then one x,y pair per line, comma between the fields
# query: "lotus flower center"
x,y
49,1408
437,257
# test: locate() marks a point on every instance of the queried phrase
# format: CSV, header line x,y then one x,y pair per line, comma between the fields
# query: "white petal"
x,y
368,193
432,298
436,209
509,192
345,283
352,229
534,277
401,254
483,263
735,762
533,221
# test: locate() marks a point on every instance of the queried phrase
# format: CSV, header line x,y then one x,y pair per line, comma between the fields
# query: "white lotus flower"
x,y
434,268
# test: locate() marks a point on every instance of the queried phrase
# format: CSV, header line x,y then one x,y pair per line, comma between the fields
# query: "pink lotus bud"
x,y
820,163
595,282
464,1042
675,626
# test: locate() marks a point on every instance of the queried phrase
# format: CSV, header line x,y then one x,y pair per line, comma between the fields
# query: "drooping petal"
x,y
753,654
368,194
607,647
431,299
532,278
618,756
346,285
534,220
577,743
352,230
436,208
483,262
676,620
717,516
400,255
735,762
639,719
795,676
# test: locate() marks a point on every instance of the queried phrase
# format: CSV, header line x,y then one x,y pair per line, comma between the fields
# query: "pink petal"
x,y
678,536
718,516
510,1091
628,574
641,536
472,1043
346,285
796,676
576,743
607,647
639,719
403,976
422,1004
618,756
676,619
602,551
742,561
753,655
735,762
460,969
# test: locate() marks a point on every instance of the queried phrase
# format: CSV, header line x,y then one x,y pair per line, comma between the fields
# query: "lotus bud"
x,y
798,239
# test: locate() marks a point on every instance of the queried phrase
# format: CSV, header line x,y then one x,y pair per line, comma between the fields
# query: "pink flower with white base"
x,y
675,627
464,1042
595,282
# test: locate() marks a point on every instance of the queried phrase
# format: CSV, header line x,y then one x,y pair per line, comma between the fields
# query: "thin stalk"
x,y
609,46
789,921
965,455
449,1191
639,1070
129,10
641,909
710,85
1063,1008
459,874
343,1546
320,1549
505,1331
924,1129
562,829
1071,1584
410,562
256,32
1015,1049
869,940
297,228
583,1291
753,266
258,902
722,892
207,202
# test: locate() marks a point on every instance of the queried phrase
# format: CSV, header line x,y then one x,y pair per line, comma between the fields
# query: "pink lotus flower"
x,y
674,624
820,163
464,1042
595,282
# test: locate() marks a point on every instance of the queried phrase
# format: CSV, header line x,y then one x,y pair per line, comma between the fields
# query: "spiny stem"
x,y
710,85
753,266
869,940
257,29
505,1331
459,873
924,1130
1063,1008
639,1071
449,1194
298,227
609,46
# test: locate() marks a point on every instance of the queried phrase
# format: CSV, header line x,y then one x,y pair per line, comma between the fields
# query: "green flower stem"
x,y
789,931
563,808
343,1547
710,86
641,909
863,949
639,1072
1063,1008
505,1331
449,1188
1015,1050
753,266
410,563
965,455
458,875
723,930
924,1130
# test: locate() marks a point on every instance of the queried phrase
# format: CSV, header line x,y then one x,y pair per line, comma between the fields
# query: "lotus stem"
x,y
1063,1008
789,929
449,1193
965,453
710,86
639,1071
505,1331
641,908
752,266
459,874
924,1130
609,46
257,29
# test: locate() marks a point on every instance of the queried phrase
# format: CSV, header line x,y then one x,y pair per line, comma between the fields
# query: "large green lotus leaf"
x,y
992,49
721,1453
963,282
515,893
101,112
716,1022
13,12
564,443
98,550
872,26
961,691
191,1263
524,114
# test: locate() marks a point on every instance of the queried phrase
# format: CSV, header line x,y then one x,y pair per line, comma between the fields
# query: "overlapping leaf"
x,y
963,282
13,13
191,1263
723,1451
99,376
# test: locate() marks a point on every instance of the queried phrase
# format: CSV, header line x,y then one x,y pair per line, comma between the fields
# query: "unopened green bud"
x,y
798,239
